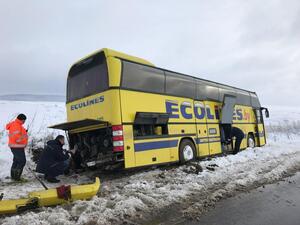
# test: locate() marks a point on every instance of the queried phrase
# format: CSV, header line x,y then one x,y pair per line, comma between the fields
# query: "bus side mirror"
x,y
267,114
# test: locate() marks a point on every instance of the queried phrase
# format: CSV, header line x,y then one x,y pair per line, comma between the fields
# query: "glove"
x,y
74,150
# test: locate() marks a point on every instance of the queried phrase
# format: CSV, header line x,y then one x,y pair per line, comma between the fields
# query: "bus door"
x,y
227,109
260,128
213,127
201,127
227,112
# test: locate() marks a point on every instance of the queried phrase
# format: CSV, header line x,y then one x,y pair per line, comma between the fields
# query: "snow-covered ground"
x,y
130,197
40,115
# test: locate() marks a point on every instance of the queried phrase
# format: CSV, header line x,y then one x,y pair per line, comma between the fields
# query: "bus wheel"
x,y
187,151
250,141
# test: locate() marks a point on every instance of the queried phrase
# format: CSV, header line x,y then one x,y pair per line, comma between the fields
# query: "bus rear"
x,y
93,112
94,123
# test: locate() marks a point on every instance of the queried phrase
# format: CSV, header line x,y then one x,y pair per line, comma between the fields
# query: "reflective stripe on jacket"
x,y
17,135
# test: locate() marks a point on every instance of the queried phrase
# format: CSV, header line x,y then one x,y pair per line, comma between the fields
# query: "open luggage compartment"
x,y
93,141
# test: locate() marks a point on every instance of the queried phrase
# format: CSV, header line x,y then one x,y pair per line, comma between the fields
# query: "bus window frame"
x,y
122,85
197,79
191,80
107,87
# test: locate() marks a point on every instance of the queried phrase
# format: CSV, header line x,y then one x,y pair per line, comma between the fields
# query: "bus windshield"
x,y
87,78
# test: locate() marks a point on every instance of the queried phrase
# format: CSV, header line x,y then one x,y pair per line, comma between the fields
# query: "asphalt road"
x,y
274,204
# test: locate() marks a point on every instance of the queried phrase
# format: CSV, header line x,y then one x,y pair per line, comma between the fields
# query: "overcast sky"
x,y
249,44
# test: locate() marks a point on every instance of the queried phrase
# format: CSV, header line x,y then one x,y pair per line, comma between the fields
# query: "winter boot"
x,y
18,174
13,173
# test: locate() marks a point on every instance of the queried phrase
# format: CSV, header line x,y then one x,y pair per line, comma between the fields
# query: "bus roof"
x,y
211,82
112,53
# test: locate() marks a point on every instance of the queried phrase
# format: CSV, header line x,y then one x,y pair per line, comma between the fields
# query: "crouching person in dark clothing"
x,y
54,160
239,136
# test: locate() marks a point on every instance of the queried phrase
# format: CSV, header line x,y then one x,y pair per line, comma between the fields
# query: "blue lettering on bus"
x,y
209,115
199,115
217,112
172,109
187,112
234,115
239,114
87,103
183,109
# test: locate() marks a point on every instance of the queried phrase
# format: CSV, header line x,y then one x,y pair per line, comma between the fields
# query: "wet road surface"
x,y
274,204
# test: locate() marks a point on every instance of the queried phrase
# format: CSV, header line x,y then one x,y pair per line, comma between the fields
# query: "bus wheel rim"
x,y
251,143
188,153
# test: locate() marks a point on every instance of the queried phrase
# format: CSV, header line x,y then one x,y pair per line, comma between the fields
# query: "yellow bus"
x,y
123,109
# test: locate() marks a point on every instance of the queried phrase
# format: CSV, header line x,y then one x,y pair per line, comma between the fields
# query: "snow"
x,y
129,197
39,116
283,114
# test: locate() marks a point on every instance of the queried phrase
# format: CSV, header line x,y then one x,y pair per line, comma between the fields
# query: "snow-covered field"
x,y
39,116
130,197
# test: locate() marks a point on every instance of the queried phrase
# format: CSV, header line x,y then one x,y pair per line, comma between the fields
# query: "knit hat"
x,y
59,137
21,117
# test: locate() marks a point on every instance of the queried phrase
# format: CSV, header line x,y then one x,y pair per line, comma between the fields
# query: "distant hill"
x,y
33,98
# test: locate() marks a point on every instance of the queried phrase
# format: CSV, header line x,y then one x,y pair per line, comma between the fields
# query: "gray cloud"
x,y
247,44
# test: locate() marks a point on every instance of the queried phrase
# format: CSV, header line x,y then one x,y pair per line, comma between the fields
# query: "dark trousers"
x,y
19,160
239,136
57,168
227,132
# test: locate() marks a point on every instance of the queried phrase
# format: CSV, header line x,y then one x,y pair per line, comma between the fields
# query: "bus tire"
x,y
251,141
187,151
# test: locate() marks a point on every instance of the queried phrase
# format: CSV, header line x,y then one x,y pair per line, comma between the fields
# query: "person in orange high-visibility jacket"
x,y
18,140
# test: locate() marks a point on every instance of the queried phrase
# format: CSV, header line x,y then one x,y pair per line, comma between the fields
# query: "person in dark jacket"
x,y
239,136
54,160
